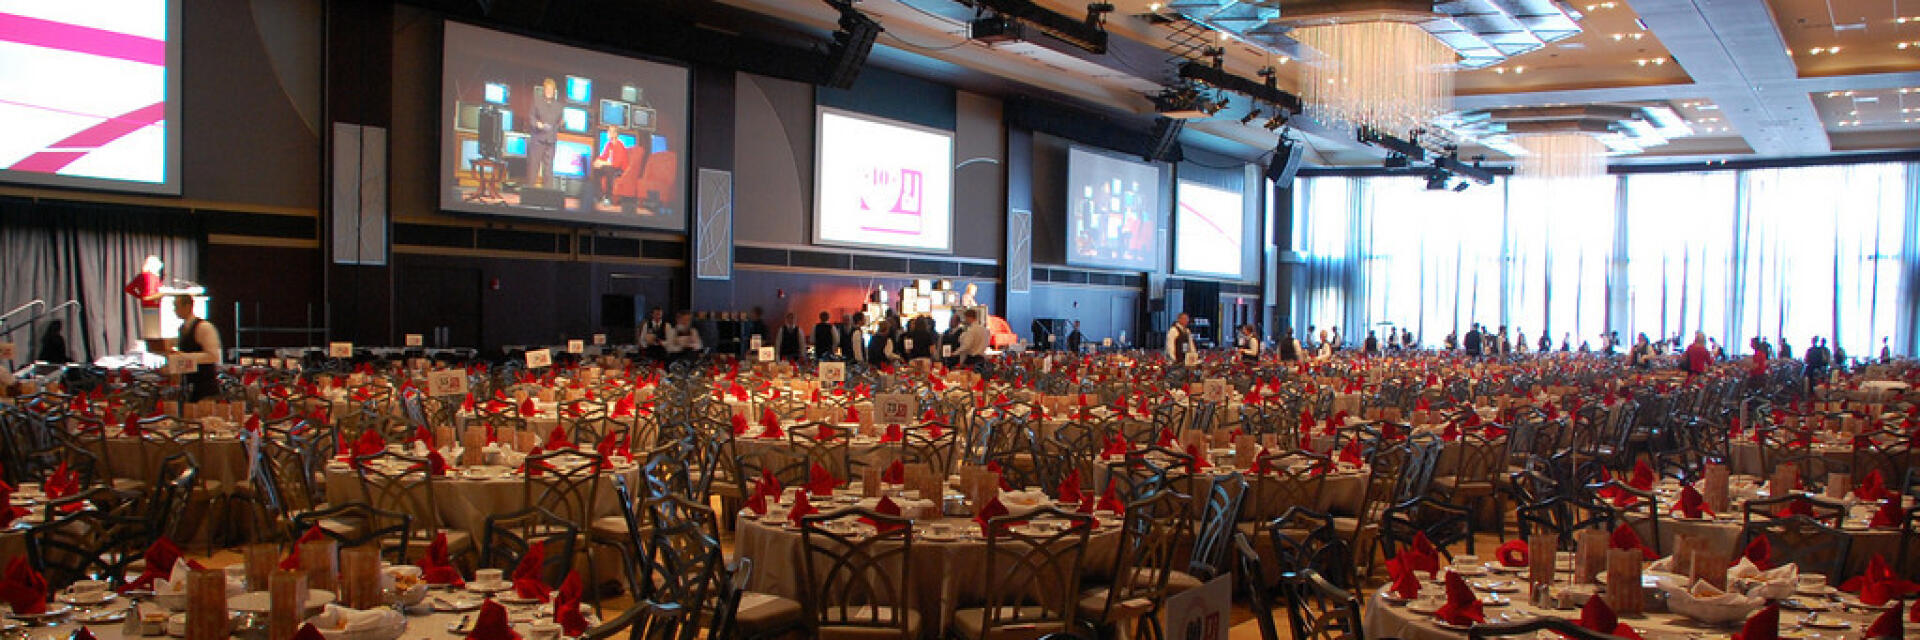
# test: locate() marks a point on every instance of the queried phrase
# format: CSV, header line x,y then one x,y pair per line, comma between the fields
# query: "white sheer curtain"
x,y
1680,250
1793,252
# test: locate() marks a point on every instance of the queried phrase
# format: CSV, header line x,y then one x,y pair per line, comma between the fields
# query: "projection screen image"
x,y
1112,211
882,183
1207,231
535,129
89,94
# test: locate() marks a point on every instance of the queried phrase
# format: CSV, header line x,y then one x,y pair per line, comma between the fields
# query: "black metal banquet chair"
x,y
1318,610
1137,583
1828,512
1212,533
509,536
355,524
1564,516
91,543
858,585
1632,501
1306,539
1443,523
1804,541
686,544
645,620
1529,628
1032,578
1259,596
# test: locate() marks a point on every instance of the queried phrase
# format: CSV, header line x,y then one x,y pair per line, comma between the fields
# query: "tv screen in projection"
x,y
1112,211
90,94
1207,230
882,183
510,147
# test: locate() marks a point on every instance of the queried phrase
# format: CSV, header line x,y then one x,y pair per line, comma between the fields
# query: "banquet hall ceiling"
x,y
1751,78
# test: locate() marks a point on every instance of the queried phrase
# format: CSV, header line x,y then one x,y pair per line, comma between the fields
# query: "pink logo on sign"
x,y
893,191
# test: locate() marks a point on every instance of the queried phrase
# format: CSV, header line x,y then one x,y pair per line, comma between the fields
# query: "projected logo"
x,y
83,89
891,199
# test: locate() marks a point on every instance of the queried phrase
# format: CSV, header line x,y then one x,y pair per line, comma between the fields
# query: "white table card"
x,y
766,354
447,382
599,339
539,358
833,372
1214,389
180,363
1202,613
893,408
339,349
576,346
1106,342
415,340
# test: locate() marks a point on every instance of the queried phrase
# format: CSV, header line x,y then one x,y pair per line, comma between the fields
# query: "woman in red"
x,y
1696,357
145,286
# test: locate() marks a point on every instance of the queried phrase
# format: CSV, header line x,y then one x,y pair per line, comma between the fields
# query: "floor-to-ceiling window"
x,y
1793,252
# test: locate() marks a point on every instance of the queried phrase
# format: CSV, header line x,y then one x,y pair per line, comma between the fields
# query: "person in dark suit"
x,y
543,131
1075,338
53,345
920,341
853,348
788,343
1473,342
826,338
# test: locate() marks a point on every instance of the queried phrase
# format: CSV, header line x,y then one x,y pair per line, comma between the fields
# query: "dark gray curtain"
x,y
60,251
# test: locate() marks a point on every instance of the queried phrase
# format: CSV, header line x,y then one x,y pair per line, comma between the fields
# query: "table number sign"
x,y
833,371
1106,342
277,363
1203,613
946,351
599,339
179,364
893,408
754,342
246,362
766,354
576,346
447,382
1193,359
539,358
339,349
415,340
1213,389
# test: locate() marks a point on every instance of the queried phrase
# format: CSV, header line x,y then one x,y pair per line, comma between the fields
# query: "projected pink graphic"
x,y
81,96
892,200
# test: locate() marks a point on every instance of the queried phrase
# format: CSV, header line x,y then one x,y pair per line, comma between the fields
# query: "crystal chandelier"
x,y
1561,156
1385,74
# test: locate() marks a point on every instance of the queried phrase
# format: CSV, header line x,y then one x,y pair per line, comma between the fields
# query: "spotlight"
x,y
1462,186
1395,161
1251,114
1278,120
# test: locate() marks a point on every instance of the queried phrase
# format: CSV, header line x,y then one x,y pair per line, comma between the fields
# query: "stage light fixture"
x,y
1461,186
1437,180
1395,161
1251,114
1278,120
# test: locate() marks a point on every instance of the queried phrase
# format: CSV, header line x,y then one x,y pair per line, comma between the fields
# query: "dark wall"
x,y
250,107
529,301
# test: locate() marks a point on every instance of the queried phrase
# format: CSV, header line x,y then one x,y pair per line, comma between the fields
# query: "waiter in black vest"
x,y
787,343
200,342
826,338
653,335
1180,339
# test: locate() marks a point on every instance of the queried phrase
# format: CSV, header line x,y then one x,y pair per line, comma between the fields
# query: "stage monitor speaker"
x,y
1285,162
553,199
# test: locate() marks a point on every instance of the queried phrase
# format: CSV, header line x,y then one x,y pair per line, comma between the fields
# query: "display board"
x,y
535,129
881,183
90,94
1113,211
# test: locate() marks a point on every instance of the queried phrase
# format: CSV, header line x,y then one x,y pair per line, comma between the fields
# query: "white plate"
x,y
54,610
506,597
489,587
1469,571
1423,608
261,601
454,603
1828,622
95,598
106,616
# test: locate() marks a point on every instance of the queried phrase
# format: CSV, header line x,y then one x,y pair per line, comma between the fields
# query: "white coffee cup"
x,y
488,576
86,587
942,529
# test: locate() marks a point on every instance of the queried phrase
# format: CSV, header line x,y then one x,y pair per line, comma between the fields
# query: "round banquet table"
x,y
223,459
1745,456
1722,531
464,501
1384,619
947,575
422,623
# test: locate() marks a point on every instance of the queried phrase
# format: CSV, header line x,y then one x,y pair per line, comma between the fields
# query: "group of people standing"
x,y
893,339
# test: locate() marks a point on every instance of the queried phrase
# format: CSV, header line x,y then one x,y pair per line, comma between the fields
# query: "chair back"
x,y
1443,523
1563,516
397,482
687,544
1317,610
645,620
1261,599
509,536
858,570
1032,576
1304,538
1216,526
1149,536
568,483
390,530
1809,543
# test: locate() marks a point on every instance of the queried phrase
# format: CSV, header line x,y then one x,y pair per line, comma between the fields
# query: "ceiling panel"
x,y
1868,35
1611,50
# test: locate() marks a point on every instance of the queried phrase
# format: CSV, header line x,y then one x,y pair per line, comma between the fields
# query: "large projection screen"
x,y
90,94
608,147
1113,208
881,183
1207,231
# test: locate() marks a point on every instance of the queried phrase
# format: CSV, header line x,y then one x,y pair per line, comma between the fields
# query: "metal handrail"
x,y
36,317
16,310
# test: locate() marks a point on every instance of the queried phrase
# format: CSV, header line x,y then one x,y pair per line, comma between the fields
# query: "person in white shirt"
x,y
854,349
1180,339
973,340
1249,344
200,343
682,339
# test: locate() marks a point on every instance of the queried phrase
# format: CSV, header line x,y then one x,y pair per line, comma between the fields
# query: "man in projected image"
x,y
607,165
542,133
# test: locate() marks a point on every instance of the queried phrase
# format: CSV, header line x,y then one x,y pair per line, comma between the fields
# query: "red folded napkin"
x,y
527,409
1872,487
993,466
1692,504
820,482
533,467
1463,605
1624,538
1420,554
308,632
1351,454
1070,487
1642,476
434,566
1764,625
1759,551
160,557
1116,446
1165,439
896,473
1889,515
526,575
1306,420
739,425
8,512
986,514
23,588
892,434
623,407
1795,507
1405,585
1886,625
557,439
934,431
1196,459
369,443
492,623
802,507
757,500
885,507
769,421
1877,583
292,561
1110,502
1513,553
1451,433
566,606
1914,615
825,432
1599,617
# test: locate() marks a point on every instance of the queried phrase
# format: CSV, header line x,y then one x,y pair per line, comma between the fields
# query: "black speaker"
x,y
851,43
553,199
1165,140
1286,161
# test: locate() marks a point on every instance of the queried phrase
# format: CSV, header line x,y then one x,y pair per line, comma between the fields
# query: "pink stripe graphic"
x,y
75,146
87,40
